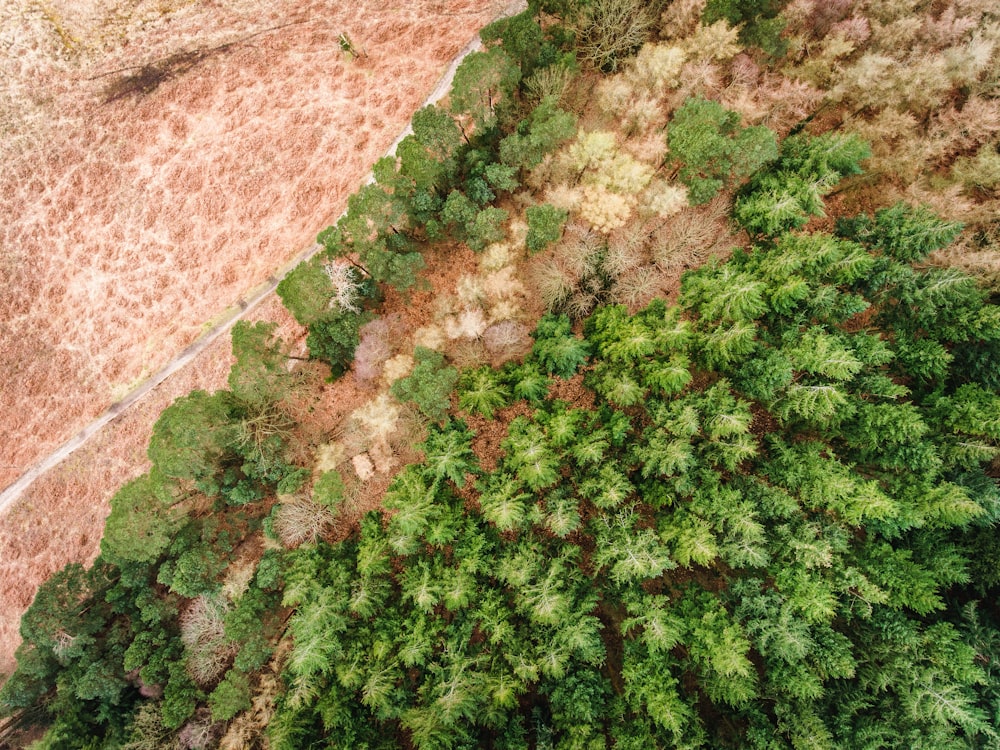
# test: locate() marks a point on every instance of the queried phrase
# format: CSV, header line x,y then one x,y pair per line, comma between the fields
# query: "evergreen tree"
x,y
784,196
556,349
484,85
429,385
712,150
193,435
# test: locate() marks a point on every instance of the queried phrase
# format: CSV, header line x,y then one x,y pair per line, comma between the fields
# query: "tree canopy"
x,y
712,148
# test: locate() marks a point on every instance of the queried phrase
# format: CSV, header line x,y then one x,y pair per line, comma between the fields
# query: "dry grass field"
x,y
160,160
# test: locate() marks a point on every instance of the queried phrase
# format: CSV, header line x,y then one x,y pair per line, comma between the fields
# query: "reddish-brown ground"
x,y
136,206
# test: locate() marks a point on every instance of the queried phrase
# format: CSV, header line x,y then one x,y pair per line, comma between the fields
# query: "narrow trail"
x,y
233,314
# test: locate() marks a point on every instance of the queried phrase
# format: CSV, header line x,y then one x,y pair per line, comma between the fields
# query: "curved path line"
x,y
230,316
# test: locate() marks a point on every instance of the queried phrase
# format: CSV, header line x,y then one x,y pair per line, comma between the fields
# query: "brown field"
x,y
160,160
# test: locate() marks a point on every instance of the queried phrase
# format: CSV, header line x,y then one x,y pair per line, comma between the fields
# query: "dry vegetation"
x,y
137,205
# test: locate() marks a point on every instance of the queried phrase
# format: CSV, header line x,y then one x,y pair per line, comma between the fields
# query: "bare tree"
x,y
612,30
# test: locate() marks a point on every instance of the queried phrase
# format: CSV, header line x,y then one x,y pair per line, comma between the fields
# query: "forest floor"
x,y
162,161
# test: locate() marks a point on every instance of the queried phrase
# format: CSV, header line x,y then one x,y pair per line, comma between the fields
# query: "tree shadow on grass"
x,y
141,80
145,79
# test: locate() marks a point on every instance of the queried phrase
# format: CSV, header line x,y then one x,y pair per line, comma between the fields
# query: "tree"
x,y
611,31
70,659
489,226
504,501
556,348
530,456
783,197
334,338
328,490
428,385
142,522
482,391
448,454
541,132
230,697
520,36
484,83
430,157
903,232
712,150
760,22
193,435
260,376
545,226
376,228
306,291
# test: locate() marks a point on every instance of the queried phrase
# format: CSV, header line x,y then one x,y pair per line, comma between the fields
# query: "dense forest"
x,y
701,451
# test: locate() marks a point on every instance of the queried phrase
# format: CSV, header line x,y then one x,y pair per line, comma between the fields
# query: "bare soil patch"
x,y
136,206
